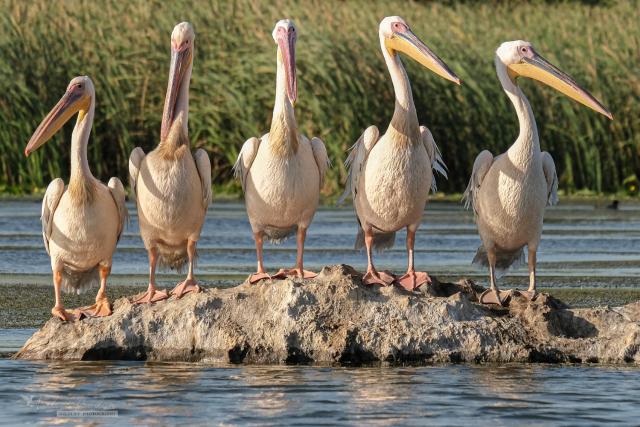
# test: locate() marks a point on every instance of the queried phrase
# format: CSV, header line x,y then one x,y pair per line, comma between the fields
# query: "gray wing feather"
x,y
437,164
203,164
549,168
321,157
135,160
245,160
118,193
52,197
357,159
481,166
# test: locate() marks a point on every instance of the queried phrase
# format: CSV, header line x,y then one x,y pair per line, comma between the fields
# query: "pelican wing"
x,y
52,197
245,160
481,166
357,159
203,164
549,168
118,193
135,161
322,159
437,164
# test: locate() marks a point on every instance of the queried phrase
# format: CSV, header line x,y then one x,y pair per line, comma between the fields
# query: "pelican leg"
x,y
493,295
152,295
188,285
412,280
531,293
261,274
373,276
58,310
299,270
102,307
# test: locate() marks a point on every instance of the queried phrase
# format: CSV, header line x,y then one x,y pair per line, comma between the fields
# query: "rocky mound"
x,y
336,319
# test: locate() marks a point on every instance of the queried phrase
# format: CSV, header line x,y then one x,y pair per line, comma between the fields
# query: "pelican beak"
x,y
407,42
71,102
538,68
287,46
181,57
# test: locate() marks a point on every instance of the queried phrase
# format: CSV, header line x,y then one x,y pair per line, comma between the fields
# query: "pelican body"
x,y
509,192
172,187
390,175
81,223
282,172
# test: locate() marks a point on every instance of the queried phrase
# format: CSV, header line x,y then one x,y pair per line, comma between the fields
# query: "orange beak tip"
x,y
26,152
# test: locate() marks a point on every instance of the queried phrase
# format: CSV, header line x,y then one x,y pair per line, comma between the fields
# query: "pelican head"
x,y
521,59
76,99
285,36
398,37
182,41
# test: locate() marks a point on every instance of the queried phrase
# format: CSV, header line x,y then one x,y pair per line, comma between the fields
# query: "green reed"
x,y
343,83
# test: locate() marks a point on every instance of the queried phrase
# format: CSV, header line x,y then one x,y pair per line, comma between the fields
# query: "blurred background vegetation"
x,y
343,83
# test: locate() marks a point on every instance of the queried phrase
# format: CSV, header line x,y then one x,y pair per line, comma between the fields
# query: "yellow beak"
x,y
409,44
542,70
69,104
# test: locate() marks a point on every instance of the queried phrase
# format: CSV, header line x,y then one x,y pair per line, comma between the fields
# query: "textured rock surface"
x,y
335,318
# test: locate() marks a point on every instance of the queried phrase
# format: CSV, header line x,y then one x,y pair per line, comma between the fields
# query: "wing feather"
x,y
437,164
481,166
245,160
52,197
321,156
118,193
357,159
549,168
135,160
203,164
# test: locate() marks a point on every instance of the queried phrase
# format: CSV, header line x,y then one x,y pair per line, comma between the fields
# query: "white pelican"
x,y
82,223
172,186
282,172
509,192
390,175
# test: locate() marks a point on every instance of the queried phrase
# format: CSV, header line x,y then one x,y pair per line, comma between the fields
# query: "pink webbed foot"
x,y
67,316
412,280
530,295
381,278
185,287
101,308
256,277
491,296
151,296
283,273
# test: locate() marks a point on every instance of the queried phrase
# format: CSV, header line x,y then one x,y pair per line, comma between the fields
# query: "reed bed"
x,y
343,82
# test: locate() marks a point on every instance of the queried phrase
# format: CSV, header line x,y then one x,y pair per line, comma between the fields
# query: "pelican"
x,y
282,172
509,192
82,223
390,175
172,187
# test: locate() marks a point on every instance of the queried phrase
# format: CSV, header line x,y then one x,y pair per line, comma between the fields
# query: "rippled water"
x,y
582,246
153,393
579,241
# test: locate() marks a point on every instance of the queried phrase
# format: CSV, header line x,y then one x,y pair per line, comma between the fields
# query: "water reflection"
x,y
165,393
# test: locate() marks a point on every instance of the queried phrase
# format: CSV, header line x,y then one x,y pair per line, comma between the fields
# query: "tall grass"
x,y
343,82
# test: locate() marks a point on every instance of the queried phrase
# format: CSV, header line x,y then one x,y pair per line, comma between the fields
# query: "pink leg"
x,y
299,270
152,295
102,307
494,295
261,274
412,280
58,310
189,284
373,276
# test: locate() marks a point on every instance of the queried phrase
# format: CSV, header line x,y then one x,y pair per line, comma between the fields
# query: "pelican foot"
x,y
185,287
490,296
256,277
101,308
150,297
381,278
530,295
283,273
413,280
66,316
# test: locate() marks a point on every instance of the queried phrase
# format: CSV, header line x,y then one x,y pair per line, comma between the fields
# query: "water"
x,y
579,241
582,246
155,393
